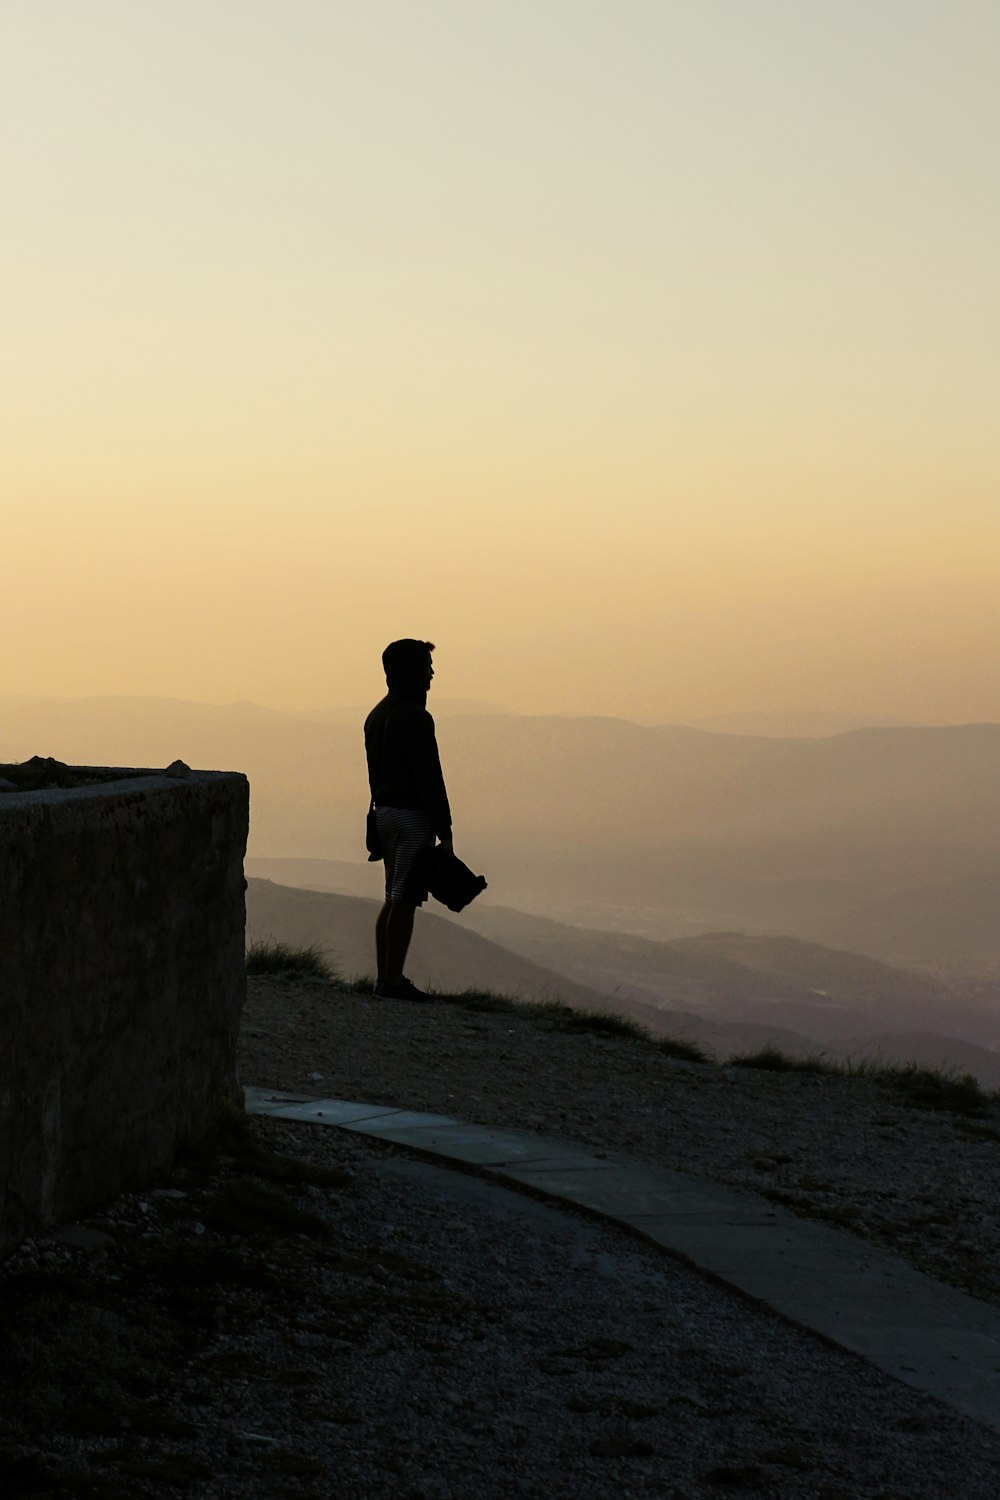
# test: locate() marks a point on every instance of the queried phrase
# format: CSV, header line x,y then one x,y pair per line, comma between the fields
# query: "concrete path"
x,y
852,1293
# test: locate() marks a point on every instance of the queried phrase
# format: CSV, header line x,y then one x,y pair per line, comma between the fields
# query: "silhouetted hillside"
x,y
819,992
750,976
442,956
449,958
711,998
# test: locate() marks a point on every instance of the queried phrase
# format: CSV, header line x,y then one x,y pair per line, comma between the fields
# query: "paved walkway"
x,y
856,1295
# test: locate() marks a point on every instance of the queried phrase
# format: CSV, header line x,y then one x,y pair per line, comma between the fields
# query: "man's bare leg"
x,y
398,931
381,923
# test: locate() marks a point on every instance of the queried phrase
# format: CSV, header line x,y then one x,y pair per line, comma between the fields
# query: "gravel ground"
x,y
338,1321
850,1151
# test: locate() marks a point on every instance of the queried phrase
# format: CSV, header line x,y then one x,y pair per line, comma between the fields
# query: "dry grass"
x,y
267,957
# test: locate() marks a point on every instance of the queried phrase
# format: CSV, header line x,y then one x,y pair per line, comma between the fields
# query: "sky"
x,y
642,354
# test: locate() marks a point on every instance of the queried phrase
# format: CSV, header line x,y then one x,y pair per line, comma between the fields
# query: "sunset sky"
x,y
644,354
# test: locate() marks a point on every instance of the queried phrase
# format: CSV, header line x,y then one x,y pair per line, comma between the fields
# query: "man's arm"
x,y
433,793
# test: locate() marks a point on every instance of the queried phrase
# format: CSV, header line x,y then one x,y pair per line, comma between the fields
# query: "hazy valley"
x,y
839,893
726,992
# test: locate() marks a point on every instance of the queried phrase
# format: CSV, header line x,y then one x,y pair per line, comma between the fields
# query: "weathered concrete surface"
x,y
122,983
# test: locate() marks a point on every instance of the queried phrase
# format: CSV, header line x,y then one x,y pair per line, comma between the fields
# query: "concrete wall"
x,y
121,983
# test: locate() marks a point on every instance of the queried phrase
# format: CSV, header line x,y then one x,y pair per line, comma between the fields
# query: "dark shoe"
x,y
405,989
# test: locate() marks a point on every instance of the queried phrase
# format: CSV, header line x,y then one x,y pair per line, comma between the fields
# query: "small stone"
x,y
623,1447
305,1340
80,1238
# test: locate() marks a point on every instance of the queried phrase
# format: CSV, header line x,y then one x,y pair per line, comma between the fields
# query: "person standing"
x,y
410,802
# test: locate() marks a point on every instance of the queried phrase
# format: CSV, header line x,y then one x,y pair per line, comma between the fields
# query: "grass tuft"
x,y
771,1060
485,1000
675,1046
920,1087
280,958
930,1088
561,1017
596,1022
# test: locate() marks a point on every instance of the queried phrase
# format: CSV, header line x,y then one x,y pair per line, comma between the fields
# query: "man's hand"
x,y
447,845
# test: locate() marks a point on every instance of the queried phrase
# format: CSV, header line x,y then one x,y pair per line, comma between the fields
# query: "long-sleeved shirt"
x,y
404,766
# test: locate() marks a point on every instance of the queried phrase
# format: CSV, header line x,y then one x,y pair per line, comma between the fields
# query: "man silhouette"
x,y
410,801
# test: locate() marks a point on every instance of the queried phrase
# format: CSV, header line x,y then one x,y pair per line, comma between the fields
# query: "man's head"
x,y
408,665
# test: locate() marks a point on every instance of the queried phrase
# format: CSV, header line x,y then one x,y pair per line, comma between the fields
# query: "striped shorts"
x,y
405,833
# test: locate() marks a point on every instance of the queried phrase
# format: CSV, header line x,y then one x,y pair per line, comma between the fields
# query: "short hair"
x,y
406,662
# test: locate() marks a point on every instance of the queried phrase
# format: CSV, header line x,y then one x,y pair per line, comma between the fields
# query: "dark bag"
x,y
449,880
372,841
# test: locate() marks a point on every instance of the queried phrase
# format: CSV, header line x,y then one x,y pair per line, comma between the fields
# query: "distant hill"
x,y
820,992
443,708
952,925
448,957
593,784
669,831
642,787
342,877
815,989
442,956
795,726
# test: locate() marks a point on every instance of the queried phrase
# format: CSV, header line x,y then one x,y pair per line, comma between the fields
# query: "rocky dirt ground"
x,y
304,1315
887,1161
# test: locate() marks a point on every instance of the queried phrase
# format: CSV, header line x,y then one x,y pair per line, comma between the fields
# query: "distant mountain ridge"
x,y
447,957
442,708
814,725
517,774
826,994
773,975
669,831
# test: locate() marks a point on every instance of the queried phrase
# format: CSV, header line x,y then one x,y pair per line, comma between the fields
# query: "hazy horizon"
x,y
678,826
642,356
779,723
